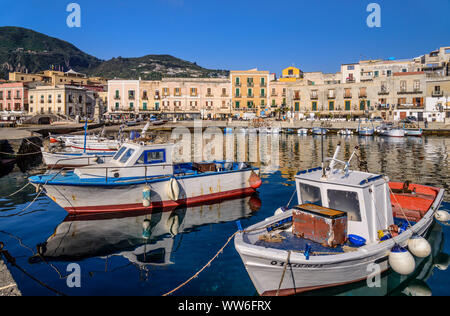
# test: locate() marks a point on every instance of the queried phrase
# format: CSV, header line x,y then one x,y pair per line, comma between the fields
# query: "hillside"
x,y
26,50
22,49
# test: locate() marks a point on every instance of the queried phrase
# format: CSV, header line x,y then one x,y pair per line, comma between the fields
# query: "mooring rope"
x,y
24,154
203,268
19,189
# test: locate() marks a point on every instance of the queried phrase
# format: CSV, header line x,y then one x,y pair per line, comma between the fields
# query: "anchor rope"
x,y
19,189
284,271
11,260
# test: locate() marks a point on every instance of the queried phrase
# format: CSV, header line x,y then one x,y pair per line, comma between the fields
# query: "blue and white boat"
x,y
365,131
142,177
319,131
58,160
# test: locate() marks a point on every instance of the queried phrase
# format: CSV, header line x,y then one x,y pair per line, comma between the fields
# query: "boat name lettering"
x,y
296,265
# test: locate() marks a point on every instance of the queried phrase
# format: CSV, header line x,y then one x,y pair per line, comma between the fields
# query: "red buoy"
x,y
254,181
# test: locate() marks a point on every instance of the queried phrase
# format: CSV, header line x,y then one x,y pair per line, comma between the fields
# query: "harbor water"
x,y
153,253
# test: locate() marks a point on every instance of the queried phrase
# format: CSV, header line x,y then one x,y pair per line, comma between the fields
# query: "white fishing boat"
x,y
93,145
57,160
388,130
346,222
345,132
142,177
302,131
319,131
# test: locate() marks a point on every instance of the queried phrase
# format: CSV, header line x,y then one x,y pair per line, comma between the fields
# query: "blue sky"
x,y
315,35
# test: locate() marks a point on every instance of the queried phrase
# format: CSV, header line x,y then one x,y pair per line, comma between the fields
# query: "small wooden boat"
x,y
388,130
143,177
345,222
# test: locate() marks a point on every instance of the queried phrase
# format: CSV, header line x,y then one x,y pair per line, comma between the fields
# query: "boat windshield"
x,y
127,155
310,194
119,153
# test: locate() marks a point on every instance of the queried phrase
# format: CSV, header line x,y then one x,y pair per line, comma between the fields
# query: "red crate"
x,y
319,224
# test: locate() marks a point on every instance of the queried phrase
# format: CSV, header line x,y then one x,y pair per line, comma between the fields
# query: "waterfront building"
x,y
53,77
249,91
14,96
437,100
61,100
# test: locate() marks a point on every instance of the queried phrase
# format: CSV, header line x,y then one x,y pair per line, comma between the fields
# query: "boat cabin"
x,y
134,160
363,196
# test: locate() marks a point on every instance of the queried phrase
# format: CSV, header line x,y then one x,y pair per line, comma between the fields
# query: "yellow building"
x,y
54,77
249,91
291,74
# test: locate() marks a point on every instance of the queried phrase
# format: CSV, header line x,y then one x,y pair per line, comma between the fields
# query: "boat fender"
x,y
442,216
254,181
419,246
173,189
401,260
95,159
146,196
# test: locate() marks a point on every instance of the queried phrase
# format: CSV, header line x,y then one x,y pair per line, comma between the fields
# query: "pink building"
x,y
13,96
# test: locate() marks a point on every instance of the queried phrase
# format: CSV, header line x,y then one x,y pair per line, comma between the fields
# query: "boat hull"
x,y
273,274
77,199
65,160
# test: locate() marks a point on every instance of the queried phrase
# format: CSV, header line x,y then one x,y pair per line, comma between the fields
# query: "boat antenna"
x,y
323,166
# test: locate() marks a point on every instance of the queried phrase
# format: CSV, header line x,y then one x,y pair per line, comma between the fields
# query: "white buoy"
x,y
401,261
146,224
173,190
419,246
146,196
442,216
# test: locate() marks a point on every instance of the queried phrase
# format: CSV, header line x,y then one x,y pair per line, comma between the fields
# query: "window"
x,y
127,155
119,153
297,106
310,194
117,96
351,67
403,85
263,93
249,92
144,106
238,92
131,105
156,156
224,91
348,105
238,81
131,94
416,85
345,201
237,104
331,105
314,106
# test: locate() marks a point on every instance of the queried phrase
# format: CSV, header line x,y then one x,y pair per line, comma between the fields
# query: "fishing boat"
x,y
388,130
302,131
345,132
62,159
93,145
414,132
346,222
365,130
142,177
319,131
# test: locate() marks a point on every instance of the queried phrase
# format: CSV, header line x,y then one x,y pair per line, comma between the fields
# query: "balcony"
x,y
224,95
144,97
263,84
410,92
157,97
117,97
209,95
383,92
347,96
314,97
362,95
250,84
437,94
331,97
237,84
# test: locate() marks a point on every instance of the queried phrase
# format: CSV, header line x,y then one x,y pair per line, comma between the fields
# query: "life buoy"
x,y
254,181
173,189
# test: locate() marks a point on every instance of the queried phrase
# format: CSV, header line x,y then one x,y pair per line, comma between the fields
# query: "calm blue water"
x,y
118,257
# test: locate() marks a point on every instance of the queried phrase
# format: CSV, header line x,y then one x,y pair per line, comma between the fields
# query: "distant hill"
x,y
26,50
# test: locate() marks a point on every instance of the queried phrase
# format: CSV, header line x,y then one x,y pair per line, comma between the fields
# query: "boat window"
x,y
156,156
119,153
127,155
310,194
345,201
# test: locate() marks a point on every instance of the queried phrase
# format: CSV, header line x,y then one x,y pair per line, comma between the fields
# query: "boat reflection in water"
x,y
146,239
394,284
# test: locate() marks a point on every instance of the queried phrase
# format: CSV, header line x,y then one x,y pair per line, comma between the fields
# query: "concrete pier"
x,y
8,287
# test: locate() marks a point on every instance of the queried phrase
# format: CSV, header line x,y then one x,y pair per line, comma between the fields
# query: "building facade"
x,y
14,96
